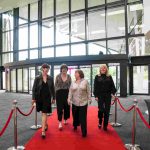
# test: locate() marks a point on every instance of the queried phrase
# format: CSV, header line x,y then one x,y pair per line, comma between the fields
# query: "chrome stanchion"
x,y
146,112
36,126
15,147
133,146
115,123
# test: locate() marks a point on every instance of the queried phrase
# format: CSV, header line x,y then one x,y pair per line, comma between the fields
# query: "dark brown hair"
x,y
80,72
63,66
45,65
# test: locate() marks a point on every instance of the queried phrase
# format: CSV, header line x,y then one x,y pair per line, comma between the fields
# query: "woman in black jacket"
x,y
104,90
42,93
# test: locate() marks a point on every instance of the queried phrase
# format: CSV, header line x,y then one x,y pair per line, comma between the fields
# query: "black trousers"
x,y
62,104
80,117
104,104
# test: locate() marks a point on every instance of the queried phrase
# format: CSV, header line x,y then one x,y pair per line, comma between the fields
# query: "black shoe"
x,y
105,128
99,126
46,128
75,128
43,135
84,135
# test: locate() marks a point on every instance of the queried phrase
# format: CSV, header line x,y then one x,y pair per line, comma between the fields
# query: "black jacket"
x,y
38,85
103,85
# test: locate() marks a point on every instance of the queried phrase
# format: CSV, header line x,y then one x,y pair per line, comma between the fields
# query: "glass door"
x,y
140,79
19,80
87,73
25,80
31,78
114,70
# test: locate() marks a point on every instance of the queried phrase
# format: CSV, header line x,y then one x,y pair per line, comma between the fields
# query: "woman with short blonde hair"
x,y
104,90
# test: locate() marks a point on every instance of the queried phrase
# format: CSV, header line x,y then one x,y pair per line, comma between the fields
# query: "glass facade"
x,y
53,29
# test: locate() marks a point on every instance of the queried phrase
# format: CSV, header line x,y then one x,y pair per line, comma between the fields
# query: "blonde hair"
x,y
107,71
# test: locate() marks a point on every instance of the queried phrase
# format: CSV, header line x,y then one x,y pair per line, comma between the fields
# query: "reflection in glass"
x,y
115,22
7,41
114,70
7,21
62,51
140,77
62,6
110,1
139,46
23,15
19,80
31,78
25,80
97,48
23,55
7,57
117,46
47,8
92,3
78,27
13,80
77,4
78,50
62,30
23,37
96,25
135,19
33,54
33,35
34,11
47,33
3,80
47,52
87,73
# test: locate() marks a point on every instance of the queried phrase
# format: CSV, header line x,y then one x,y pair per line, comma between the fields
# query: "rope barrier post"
x,y
15,147
133,146
115,123
36,126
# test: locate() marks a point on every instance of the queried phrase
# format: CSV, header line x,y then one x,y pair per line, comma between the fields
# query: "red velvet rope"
x,y
9,118
24,113
142,117
126,110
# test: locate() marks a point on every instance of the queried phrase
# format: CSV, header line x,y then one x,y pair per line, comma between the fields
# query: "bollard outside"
x,y
15,147
133,146
115,123
36,126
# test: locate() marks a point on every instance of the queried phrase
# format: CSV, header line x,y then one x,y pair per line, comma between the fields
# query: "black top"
x,y
103,84
45,94
38,84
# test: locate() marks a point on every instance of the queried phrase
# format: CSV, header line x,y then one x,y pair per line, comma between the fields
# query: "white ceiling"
x,y
6,5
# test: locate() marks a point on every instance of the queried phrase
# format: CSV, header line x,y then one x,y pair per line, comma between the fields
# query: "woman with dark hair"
x,y
43,94
62,85
79,96
104,90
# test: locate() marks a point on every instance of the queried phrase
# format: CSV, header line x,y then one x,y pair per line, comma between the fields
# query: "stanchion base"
x,y
132,147
146,112
35,127
18,148
115,124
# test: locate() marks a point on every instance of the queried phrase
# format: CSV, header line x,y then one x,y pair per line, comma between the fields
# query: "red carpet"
x,y
70,140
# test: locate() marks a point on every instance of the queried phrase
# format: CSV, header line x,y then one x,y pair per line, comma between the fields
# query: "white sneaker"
x,y
60,126
65,122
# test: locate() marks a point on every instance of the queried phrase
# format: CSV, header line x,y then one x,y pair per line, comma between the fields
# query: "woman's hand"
x,y
33,101
113,96
69,102
96,98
